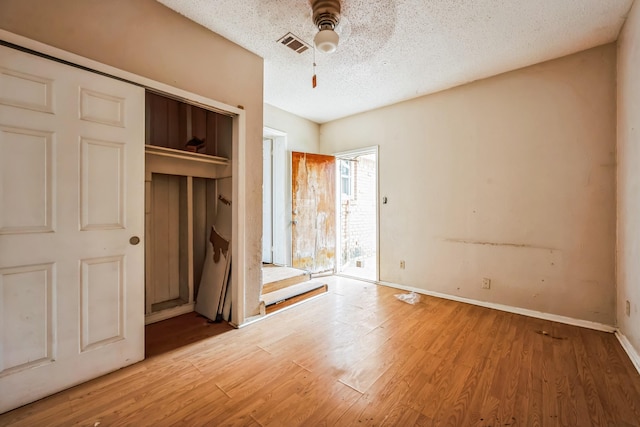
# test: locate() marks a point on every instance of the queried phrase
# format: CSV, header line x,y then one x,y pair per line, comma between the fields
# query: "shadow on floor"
x,y
170,334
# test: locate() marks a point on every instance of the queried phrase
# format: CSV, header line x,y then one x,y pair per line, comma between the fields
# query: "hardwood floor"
x,y
358,356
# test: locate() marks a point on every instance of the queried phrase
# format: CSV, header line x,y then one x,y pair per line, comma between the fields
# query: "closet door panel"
x,y
71,199
102,184
26,187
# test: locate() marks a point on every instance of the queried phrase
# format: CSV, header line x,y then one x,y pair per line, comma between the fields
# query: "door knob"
x,y
134,240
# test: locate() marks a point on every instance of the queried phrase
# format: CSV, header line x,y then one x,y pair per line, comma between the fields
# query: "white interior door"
x,y
278,181
267,199
278,207
71,198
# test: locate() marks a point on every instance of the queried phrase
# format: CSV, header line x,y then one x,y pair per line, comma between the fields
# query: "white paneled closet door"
x,y
71,212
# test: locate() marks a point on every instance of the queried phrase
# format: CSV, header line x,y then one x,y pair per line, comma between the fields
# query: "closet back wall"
x,y
148,39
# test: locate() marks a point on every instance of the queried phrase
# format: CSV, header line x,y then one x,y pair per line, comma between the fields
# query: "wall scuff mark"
x,y
485,243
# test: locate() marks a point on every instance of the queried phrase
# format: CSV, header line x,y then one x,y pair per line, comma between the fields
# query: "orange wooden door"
x,y
313,211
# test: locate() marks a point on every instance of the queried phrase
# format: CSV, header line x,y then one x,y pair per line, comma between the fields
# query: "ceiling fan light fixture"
x,y
326,41
326,16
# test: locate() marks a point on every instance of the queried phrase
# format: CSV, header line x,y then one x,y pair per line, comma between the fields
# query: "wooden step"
x,y
276,278
279,304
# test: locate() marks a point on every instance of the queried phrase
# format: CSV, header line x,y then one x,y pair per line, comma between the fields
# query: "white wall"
x,y
628,268
148,39
302,135
511,178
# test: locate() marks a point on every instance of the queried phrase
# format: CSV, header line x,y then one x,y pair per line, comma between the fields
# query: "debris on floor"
x,y
410,298
545,333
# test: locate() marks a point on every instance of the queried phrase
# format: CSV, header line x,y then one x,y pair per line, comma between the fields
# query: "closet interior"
x,y
187,194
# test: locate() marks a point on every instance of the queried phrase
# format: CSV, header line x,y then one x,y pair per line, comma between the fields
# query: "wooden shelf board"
x,y
184,155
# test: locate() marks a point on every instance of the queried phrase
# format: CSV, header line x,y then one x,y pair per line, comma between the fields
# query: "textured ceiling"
x,y
391,51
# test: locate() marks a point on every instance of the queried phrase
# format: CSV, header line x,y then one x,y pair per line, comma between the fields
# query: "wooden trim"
x,y
238,216
629,349
268,132
190,257
169,313
148,242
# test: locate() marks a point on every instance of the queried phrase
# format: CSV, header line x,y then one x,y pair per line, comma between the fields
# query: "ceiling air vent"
x,y
294,43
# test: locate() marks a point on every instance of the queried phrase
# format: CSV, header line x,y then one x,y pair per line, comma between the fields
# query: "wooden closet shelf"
x,y
184,155
176,162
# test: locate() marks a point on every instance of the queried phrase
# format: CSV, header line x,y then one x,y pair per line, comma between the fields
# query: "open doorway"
x,y
284,280
358,213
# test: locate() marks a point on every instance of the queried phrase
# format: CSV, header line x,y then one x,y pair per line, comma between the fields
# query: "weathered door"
x,y
71,224
313,211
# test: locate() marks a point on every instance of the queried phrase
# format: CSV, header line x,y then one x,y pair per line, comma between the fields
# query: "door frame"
x,y
267,200
238,161
352,153
281,209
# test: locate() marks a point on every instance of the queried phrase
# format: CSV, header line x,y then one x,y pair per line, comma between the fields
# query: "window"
x,y
345,178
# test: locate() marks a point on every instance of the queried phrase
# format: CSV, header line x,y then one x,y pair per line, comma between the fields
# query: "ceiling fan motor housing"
x,y
326,13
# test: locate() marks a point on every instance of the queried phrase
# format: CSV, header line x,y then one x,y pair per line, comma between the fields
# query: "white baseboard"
x,y
510,309
168,313
629,349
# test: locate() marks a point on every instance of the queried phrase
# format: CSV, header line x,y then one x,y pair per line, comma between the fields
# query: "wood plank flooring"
x,y
360,357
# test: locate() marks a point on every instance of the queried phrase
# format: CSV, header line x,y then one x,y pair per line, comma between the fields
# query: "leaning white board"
x,y
214,275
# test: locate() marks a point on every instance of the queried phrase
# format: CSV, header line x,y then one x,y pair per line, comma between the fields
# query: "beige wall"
x,y
148,39
629,177
302,134
511,178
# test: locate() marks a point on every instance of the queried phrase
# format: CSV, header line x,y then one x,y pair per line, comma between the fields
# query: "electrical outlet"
x,y
627,308
486,283
402,265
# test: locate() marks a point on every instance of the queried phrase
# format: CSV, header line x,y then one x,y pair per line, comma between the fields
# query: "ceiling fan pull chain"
x,y
314,82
